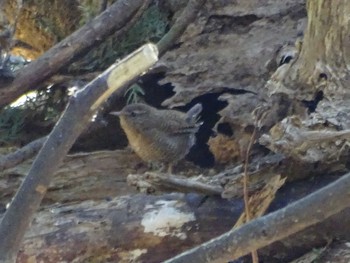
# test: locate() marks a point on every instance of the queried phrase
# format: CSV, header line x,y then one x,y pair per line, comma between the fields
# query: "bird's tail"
x,y
193,114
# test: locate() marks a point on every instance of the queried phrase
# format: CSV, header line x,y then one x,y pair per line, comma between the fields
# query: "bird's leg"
x,y
160,167
170,168
156,167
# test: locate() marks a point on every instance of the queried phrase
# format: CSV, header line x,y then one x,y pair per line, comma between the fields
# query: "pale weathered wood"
x,y
80,177
80,110
316,80
94,229
141,227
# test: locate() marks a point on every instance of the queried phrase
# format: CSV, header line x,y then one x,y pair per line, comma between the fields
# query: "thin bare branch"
x,y
19,156
188,15
255,257
151,182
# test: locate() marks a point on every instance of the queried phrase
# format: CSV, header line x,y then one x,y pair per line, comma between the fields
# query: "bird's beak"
x,y
116,113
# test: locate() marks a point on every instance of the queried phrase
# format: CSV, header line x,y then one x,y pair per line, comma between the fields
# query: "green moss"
x,y
89,9
58,18
151,26
11,125
134,94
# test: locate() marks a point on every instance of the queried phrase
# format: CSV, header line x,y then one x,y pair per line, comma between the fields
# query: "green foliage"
x,y
89,9
134,94
47,104
34,114
151,26
11,124
57,18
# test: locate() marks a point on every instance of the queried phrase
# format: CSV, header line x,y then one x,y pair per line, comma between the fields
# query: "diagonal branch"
x,y
19,156
188,15
61,55
265,230
79,112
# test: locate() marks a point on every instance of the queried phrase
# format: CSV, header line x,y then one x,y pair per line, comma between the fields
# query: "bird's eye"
x,y
133,114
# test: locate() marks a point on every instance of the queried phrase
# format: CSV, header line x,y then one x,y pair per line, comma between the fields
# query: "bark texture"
x,y
324,54
315,128
88,216
235,56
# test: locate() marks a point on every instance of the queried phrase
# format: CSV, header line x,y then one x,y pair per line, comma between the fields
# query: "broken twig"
x,y
150,182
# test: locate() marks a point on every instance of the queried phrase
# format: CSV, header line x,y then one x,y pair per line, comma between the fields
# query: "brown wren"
x,y
161,136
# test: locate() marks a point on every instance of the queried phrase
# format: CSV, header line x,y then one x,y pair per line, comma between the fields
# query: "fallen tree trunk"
x,y
141,228
154,228
83,176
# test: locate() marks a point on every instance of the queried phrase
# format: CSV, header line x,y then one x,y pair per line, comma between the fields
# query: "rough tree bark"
x,y
316,80
325,52
86,206
321,64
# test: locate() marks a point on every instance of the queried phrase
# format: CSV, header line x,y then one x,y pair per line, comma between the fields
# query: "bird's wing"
x,y
176,123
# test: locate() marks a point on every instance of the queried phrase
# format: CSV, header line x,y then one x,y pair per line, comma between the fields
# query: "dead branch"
x,y
265,230
188,15
22,154
100,175
261,200
292,138
255,257
80,110
62,54
151,182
